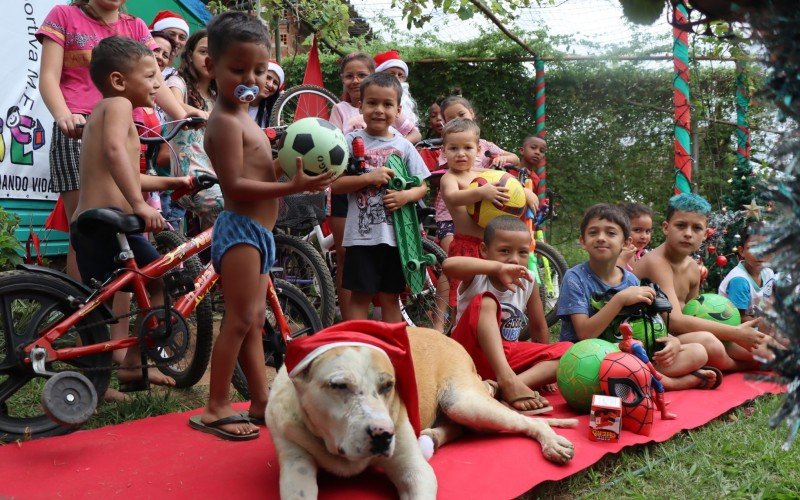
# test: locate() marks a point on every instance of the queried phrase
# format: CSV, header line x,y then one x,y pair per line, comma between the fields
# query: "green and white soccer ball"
x,y
320,143
713,307
578,372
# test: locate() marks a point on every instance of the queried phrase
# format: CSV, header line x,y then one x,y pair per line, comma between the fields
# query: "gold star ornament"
x,y
753,210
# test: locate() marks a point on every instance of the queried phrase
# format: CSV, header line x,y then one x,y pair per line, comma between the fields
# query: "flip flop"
x,y
704,379
260,421
213,427
528,413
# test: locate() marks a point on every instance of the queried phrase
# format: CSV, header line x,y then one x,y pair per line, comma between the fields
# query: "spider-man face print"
x,y
623,375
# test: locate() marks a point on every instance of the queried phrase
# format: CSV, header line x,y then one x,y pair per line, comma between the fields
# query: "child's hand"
x,y
532,200
356,123
636,295
186,182
198,113
666,356
628,252
499,161
395,200
153,221
512,276
493,192
304,183
69,125
749,337
380,176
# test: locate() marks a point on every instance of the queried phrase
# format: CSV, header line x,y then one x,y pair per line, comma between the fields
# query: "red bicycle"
x,y
55,352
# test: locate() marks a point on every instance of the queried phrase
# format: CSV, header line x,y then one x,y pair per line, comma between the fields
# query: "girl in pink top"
x,y
68,34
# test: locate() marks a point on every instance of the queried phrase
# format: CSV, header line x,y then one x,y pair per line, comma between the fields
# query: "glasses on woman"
x,y
349,77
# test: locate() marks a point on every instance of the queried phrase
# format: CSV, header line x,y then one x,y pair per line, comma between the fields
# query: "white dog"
x,y
341,411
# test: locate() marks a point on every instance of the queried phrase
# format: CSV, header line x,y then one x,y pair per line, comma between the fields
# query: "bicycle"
x,y
306,100
550,265
54,345
297,260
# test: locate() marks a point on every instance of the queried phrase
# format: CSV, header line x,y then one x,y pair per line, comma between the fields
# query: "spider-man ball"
x,y
625,376
722,261
712,249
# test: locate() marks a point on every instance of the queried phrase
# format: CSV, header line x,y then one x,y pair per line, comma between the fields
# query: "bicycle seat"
x,y
97,221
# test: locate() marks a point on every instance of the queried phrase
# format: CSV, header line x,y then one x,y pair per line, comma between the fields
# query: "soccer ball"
x,y
578,372
484,211
321,145
713,307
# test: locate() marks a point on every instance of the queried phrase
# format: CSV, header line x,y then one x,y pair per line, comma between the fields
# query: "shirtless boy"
x,y
243,248
731,348
126,73
460,138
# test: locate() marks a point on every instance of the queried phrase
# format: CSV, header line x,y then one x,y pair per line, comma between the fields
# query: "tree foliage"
x,y
609,125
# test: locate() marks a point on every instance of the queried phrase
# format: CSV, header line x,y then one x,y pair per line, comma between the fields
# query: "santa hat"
x,y
166,19
389,59
274,66
390,339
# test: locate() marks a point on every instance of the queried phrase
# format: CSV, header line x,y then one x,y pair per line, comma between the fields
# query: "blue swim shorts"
x,y
233,229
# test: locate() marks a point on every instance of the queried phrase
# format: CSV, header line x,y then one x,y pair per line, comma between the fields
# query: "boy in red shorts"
x,y
497,301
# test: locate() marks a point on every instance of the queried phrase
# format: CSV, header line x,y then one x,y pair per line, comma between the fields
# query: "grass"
x,y
734,456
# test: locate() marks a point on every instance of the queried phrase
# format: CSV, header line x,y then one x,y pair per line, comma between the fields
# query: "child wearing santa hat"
x,y
261,107
390,62
175,28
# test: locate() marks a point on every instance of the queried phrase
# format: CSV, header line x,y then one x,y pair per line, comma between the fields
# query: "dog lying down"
x,y
340,405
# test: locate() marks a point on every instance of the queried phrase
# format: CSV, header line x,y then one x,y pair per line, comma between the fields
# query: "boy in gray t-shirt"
x,y
372,263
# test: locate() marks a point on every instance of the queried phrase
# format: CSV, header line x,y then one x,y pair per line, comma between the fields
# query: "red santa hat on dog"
x,y
274,66
390,339
389,59
167,19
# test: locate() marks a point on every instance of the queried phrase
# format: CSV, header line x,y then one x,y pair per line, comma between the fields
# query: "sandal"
x,y
213,427
704,384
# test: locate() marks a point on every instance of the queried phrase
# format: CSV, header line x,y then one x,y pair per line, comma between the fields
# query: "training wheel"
x,y
69,399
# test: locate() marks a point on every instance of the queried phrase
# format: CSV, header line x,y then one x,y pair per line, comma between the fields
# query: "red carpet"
x,y
162,457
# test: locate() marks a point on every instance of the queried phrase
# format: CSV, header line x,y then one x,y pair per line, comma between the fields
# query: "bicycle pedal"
x,y
178,282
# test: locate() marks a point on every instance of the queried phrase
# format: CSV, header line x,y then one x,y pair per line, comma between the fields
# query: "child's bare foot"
x,y
226,423
520,397
114,396
130,379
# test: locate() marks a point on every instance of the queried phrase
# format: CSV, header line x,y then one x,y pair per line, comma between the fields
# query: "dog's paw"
x,y
558,449
427,446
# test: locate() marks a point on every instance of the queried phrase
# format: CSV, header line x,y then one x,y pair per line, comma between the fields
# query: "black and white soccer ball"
x,y
320,143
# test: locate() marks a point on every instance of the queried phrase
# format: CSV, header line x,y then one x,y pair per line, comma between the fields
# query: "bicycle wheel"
x,y
299,263
289,104
30,303
551,267
188,370
302,319
421,309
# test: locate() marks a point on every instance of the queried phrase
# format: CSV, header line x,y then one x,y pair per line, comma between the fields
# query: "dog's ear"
x,y
304,375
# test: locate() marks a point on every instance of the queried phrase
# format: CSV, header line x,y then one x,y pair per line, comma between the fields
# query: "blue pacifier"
x,y
245,93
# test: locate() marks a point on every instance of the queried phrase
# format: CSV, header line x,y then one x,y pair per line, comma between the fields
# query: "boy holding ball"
x,y
460,138
243,248
372,267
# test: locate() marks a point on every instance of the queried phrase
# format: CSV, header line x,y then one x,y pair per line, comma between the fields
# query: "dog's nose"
x,y
380,438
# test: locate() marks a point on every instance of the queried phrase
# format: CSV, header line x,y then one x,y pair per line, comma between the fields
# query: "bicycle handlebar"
x,y
200,182
428,143
177,127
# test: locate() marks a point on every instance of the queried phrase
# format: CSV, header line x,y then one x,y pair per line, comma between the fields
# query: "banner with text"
x,y
26,126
